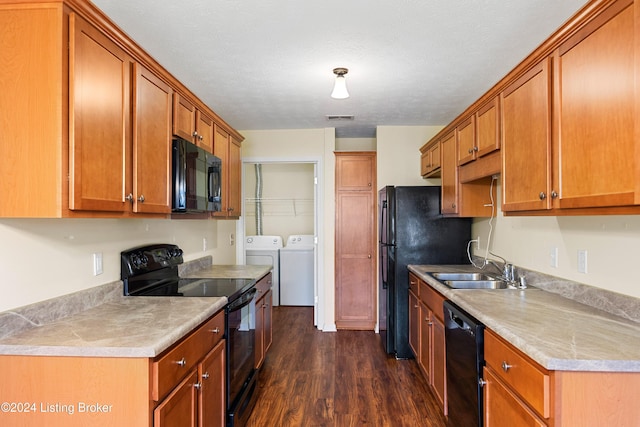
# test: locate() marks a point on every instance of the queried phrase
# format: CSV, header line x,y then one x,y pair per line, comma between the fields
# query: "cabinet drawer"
x,y
524,376
432,299
169,369
503,408
413,284
264,285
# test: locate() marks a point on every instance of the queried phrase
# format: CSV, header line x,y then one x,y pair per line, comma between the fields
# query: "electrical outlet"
x,y
582,261
97,263
232,239
553,255
204,243
478,243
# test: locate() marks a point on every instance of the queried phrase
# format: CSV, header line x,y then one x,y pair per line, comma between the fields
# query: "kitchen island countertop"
x,y
556,332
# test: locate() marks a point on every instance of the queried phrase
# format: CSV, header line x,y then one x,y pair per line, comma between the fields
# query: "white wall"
x,y
611,242
398,149
307,144
46,258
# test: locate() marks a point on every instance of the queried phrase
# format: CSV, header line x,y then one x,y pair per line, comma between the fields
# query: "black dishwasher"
x,y
464,336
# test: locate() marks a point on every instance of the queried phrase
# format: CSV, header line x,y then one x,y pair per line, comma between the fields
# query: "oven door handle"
x,y
243,301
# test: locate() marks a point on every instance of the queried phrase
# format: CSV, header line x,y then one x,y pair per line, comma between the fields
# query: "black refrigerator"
x,y
412,231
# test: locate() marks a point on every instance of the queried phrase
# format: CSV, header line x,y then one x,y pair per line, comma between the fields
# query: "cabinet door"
x,y
259,336
211,401
439,372
179,408
449,175
356,173
268,324
594,103
204,131
466,141
426,342
355,266
235,179
184,118
488,128
503,408
221,150
526,144
99,128
414,325
151,142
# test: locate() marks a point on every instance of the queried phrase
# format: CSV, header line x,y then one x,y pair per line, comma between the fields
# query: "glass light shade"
x,y
340,88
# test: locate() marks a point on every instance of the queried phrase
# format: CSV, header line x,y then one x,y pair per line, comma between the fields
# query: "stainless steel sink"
x,y
461,276
476,284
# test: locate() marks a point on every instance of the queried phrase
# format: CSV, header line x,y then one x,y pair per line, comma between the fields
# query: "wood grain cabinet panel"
x,y
355,241
594,80
191,123
227,148
414,327
99,110
212,397
467,146
151,142
526,147
450,183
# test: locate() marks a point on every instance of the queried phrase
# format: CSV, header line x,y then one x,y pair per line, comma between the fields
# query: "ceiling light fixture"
x,y
340,86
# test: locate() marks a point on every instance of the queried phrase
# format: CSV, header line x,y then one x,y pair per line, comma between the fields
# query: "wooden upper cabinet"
x,y
595,148
430,159
488,128
184,118
191,123
99,130
151,142
526,146
204,131
466,134
357,172
449,175
235,178
227,148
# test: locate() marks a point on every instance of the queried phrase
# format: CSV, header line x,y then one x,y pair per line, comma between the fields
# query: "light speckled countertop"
x,y
102,322
556,332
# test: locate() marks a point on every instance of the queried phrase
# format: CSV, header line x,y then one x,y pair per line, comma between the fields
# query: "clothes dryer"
x,y
265,250
297,271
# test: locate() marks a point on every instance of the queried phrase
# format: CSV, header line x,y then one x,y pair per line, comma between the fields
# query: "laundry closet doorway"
x,y
280,199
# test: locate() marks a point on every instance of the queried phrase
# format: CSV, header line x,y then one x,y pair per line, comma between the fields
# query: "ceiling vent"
x,y
338,118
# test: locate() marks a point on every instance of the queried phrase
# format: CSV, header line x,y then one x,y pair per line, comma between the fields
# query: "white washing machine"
x,y
265,250
297,270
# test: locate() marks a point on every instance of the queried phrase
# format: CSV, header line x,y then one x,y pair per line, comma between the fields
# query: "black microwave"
x,y
196,179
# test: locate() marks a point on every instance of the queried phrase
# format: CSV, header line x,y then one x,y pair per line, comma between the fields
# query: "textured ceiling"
x,y
267,64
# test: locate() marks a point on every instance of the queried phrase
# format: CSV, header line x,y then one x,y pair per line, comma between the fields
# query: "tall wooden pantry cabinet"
x,y
355,240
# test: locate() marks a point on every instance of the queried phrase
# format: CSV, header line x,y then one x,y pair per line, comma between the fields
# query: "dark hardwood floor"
x,y
314,378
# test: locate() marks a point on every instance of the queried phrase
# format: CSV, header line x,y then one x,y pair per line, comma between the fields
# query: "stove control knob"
x,y
176,252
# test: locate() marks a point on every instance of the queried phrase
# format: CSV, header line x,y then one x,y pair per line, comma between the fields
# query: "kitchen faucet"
x,y
506,269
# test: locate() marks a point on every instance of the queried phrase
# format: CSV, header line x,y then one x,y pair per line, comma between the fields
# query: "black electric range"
x,y
152,270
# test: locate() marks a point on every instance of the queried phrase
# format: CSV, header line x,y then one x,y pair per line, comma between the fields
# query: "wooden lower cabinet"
x,y
414,329
518,392
429,330
179,408
264,326
185,386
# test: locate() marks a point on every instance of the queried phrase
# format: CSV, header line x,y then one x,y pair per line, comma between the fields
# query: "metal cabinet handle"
x,y
369,256
200,137
182,362
554,195
205,376
129,197
542,195
482,382
141,198
506,366
216,330
470,150
475,148
197,385
195,134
